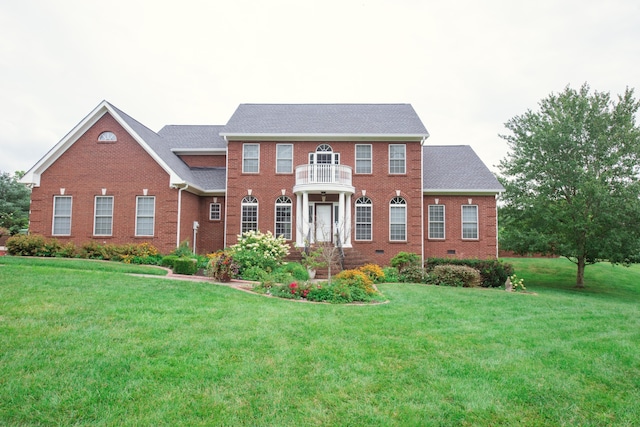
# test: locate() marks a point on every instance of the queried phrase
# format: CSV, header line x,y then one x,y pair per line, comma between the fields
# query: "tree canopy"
x,y
14,202
572,179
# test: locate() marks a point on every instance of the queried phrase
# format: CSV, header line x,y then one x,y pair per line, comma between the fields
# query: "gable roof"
x,y
456,169
194,138
157,147
325,121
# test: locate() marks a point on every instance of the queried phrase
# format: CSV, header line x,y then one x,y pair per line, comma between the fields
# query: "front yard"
x,y
100,347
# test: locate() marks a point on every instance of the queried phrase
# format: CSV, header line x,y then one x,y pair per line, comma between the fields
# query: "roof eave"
x,y
198,151
471,192
323,136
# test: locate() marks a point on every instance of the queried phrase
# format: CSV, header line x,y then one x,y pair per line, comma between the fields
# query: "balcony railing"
x,y
323,174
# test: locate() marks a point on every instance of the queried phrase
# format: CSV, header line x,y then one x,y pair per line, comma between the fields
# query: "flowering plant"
x,y
517,283
262,250
222,266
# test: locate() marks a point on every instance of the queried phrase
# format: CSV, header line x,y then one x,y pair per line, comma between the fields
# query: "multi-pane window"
x,y
145,215
103,220
249,215
214,212
436,221
283,217
469,221
398,219
250,158
363,158
61,216
284,158
363,218
397,158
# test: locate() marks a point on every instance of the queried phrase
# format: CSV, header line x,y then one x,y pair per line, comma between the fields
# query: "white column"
x,y
305,215
347,223
340,220
299,216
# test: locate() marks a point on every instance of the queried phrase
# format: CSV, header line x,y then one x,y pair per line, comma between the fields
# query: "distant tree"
x,y
14,202
572,179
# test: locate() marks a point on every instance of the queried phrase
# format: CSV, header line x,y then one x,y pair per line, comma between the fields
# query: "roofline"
x,y
32,177
323,136
476,192
198,151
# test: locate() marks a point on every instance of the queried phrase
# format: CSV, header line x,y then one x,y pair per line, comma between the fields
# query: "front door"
x,y
323,223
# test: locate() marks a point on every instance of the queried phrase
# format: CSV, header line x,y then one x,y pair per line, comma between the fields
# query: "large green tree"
x,y
14,202
572,179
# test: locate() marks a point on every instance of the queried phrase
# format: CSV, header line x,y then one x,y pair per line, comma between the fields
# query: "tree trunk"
x,y
580,275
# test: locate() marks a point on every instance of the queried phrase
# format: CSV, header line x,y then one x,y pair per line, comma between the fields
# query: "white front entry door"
x,y
323,223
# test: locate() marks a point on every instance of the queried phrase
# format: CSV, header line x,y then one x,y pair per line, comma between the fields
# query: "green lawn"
x,y
81,347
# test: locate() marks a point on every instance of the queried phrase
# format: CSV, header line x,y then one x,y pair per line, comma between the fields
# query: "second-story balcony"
x,y
323,177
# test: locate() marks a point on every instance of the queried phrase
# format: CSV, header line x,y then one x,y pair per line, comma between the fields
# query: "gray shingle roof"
x,y
325,119
456,168
193,136
208,179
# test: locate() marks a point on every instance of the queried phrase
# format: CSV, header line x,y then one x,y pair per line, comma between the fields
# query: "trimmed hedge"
x,y
493,272
455,275
184,265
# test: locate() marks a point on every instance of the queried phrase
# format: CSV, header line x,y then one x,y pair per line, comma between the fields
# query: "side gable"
x,y
137,131
456,169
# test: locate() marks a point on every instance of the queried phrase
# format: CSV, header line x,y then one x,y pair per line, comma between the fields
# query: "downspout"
x,y
179,214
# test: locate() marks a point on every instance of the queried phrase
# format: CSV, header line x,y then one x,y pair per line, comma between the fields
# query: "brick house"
x,y
357,175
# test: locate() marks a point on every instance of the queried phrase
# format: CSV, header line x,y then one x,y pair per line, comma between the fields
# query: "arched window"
x,y
364,220
249,218
324,155
398,219
107,137
283,217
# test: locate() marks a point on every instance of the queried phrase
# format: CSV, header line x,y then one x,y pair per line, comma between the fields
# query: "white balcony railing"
x,y
323,174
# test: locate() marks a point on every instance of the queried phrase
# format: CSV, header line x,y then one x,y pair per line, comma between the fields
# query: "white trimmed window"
x,y
249,214
250,158
436,221
364,218
469,221
397,158
283,217
103,217
398,219
145,215
284,158
363,158
107,137
61,216
214,211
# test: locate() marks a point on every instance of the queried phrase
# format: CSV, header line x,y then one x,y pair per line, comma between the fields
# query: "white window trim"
x,y
153,224
53,222
242,205
275,217
211,212
404,172
405,219
355,169
278,158
107,136
95,215
245,158
462,223
444,223
355,219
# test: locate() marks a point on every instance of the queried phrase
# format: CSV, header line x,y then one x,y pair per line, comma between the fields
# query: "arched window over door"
x,y
324,155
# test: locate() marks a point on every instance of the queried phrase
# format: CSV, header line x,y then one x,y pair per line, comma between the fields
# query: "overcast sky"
x,y
466,66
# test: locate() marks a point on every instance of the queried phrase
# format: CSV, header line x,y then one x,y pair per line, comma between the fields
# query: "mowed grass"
x,y
82,347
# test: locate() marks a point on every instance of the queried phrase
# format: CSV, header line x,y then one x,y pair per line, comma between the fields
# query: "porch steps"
x,y
352,260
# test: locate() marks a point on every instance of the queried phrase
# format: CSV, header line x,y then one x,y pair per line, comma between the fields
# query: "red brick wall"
x,y
124,169
380,186
204,161
486,244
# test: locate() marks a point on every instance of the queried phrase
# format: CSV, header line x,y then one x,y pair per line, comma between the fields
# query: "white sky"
x,y
466,66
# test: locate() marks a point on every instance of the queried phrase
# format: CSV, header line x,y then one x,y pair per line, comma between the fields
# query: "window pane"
x,y
470,222
363,158
397,158
284,158
250,158
214,211
397,223
104,216
62,215
436,222
145,215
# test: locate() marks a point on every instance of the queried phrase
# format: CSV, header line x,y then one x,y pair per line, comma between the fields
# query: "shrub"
x,y
167,261
412,274
94,250
374,272
455,275
296,270
254,273
222,266
403,260
356,279
26,245
493,272
255,249
185,265
390,274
